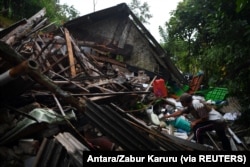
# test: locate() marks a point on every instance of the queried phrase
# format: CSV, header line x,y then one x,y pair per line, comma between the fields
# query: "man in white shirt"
x,y
206,119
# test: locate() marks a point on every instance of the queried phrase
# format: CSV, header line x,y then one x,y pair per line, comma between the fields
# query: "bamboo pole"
x,y
13,72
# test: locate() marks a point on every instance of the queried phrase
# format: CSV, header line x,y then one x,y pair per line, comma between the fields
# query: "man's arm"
x,y
175,114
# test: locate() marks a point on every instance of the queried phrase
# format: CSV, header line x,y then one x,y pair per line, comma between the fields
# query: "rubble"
x,y
87,86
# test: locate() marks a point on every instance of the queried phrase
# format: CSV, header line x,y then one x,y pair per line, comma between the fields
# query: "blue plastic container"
x,y
183,124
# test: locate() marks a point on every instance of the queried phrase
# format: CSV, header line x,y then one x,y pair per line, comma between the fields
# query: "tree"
x,y
19,9
179,36
215,35
141,10
64,13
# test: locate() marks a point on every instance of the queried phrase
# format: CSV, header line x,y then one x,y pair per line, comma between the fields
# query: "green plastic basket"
x,y
216,94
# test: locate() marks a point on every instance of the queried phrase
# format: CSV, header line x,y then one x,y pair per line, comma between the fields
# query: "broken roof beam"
x,y
53,65
90,70
52,55
78,85
42,56
21,31
8,54
104,85
96,94
70,53
95,62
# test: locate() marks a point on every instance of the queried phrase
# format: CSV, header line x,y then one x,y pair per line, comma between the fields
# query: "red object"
x,y
103,143
195,84
159,88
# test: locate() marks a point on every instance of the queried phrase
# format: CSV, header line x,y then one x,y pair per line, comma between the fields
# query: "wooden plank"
x,y
70,53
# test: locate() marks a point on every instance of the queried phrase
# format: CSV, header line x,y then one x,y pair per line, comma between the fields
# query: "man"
x,y
206,119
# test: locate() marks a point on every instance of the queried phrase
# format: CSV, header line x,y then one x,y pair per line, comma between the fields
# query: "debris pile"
x,y
61,95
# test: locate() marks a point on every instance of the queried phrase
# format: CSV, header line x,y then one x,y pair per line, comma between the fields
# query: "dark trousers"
x,y
200,128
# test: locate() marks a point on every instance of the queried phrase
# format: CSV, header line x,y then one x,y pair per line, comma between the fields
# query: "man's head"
x,y
186,99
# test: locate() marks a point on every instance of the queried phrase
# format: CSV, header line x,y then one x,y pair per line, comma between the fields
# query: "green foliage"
x,y
66,13
141,10
240,4
19,9
213,36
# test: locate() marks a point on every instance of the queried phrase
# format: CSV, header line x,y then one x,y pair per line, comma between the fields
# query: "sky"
x,y
159,9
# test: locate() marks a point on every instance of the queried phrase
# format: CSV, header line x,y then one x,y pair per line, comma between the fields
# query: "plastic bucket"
x,y
159,88
183,124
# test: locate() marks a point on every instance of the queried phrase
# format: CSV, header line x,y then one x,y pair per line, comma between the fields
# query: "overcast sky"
x,y
160,10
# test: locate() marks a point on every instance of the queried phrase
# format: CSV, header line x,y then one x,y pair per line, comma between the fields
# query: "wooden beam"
x,y
70,53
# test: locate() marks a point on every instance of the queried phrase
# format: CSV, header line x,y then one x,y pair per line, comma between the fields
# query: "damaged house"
x,y
85,86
